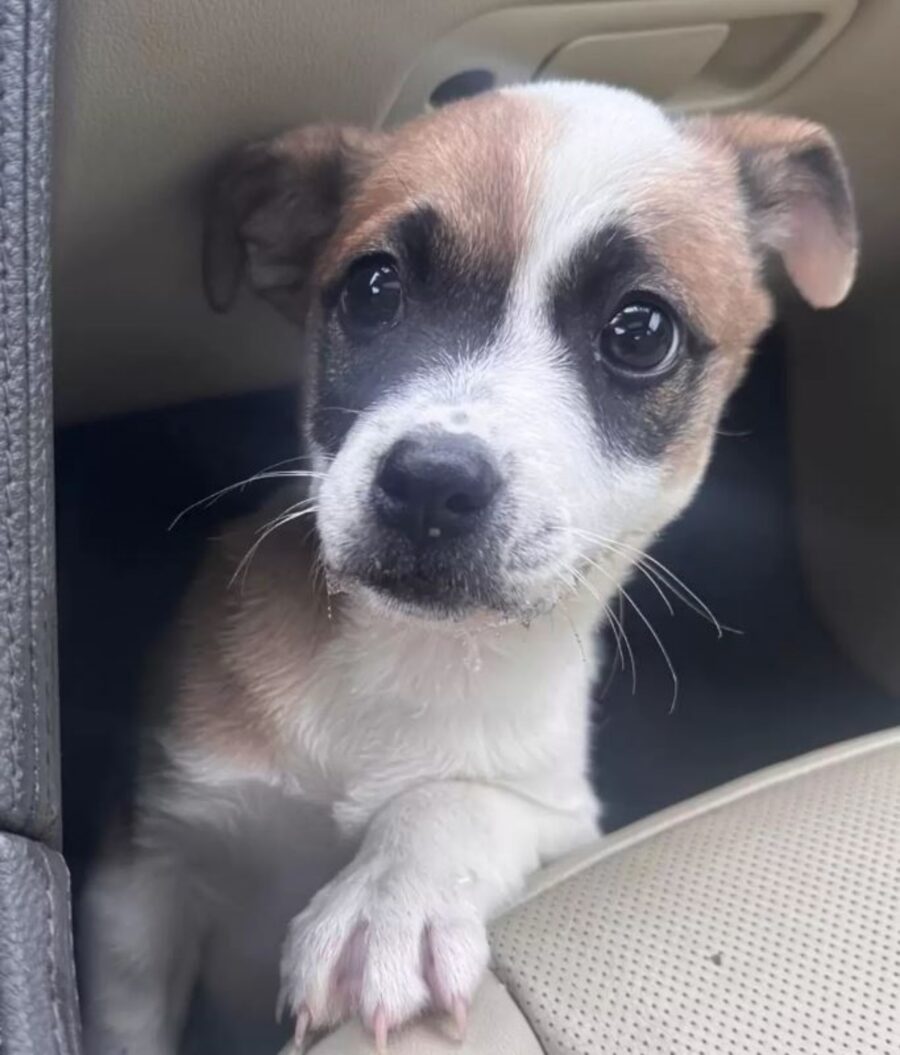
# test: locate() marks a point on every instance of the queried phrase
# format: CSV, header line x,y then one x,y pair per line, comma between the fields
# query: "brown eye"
x,y
371,298
641,338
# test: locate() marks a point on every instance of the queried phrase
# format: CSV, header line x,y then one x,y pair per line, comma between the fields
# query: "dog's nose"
x,y
434,485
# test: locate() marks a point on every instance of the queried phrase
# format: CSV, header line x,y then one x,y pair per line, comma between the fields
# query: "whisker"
x,y
666,576
686,595
268,473
659,645
273,525
638,611
622,637
339,410
689,599
616,626
575,634
285,515
639,566
682,591
318,569
584,582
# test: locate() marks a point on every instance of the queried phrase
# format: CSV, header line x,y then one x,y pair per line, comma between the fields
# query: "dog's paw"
x,y
385,943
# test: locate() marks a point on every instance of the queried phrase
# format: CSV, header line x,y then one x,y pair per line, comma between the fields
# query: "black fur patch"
x,y
453,302
637,416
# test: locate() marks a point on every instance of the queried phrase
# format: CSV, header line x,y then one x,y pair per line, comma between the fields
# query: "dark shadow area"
x,y
778,688
122,570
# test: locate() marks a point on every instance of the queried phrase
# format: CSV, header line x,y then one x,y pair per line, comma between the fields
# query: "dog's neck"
x,y
470,653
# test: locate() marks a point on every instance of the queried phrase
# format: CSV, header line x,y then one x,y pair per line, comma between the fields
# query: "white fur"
x,y
455,760
610,147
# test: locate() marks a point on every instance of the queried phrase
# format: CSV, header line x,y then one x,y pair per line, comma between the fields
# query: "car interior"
x,y
746,744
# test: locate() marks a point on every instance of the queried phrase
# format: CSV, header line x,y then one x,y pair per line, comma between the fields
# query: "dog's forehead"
x,y
471,164
506,166
524,176
611,158
617,161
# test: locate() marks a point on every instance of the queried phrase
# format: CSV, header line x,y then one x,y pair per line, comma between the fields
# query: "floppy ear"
x,y
798,198
272,207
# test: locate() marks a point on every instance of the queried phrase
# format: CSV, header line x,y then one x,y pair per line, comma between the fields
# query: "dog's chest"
x,y
385,709
349,718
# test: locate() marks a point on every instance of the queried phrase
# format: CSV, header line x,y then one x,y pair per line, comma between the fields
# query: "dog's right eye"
x,y
371,299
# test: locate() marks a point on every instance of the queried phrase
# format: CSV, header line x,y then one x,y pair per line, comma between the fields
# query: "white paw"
x,y
386,943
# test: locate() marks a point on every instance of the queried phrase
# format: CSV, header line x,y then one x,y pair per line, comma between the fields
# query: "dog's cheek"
x,y
688,456
345,492
339,508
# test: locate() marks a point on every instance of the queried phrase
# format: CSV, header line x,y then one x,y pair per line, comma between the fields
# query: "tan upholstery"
x,y
764,919
150,92
760,919
845,436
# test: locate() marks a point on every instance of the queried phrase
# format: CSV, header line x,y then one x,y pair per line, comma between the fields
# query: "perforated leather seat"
x,y
762,918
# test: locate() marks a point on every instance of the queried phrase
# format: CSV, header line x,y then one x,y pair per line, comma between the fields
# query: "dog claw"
x,y
301,1028
380,1032
460,1013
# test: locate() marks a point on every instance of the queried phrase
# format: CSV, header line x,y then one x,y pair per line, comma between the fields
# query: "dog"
x,y
521,317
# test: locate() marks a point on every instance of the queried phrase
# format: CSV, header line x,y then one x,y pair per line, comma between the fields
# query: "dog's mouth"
x,y
441,587
461,563
419,587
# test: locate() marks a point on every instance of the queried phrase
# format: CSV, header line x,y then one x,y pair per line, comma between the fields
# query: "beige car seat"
x,y
762,918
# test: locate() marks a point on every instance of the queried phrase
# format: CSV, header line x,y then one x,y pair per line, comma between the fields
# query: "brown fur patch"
x,y
249,635
710,227
471,162
698,230
797,194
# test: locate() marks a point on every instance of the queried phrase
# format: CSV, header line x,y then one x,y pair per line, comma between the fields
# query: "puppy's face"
x,y
522,317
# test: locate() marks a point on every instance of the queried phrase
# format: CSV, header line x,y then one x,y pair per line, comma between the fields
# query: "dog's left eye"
x,y
642,337
371,298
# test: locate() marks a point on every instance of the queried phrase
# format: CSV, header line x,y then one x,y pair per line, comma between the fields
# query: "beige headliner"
x,y
149,93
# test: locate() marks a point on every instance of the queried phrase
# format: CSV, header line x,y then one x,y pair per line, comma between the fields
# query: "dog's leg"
x,y
402,928
140,943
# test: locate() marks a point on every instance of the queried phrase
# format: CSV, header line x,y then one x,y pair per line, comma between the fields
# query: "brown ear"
x,y
272,207
798,196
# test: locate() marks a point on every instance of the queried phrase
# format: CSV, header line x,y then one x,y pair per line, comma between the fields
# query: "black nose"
x,y
434,485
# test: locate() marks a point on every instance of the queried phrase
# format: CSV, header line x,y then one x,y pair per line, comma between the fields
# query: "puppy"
x,y
521,316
